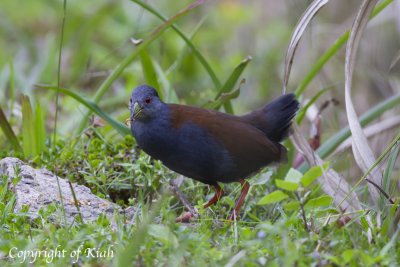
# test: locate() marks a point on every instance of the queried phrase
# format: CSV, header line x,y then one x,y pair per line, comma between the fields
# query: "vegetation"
x,y
67,69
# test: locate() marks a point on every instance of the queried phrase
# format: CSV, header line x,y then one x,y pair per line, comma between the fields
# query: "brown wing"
x,y
249,148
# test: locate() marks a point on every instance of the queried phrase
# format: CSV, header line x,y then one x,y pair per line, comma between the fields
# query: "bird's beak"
x,y
135,111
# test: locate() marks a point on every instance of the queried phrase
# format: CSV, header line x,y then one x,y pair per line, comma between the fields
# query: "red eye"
x,y
147,100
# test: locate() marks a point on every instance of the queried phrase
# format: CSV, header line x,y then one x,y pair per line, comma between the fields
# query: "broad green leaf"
x,y
293,205
312,174
293,175
118,126
263,178
347,255
272,197
290,186
164,234
319,202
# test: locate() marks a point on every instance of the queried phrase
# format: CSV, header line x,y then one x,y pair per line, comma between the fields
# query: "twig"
x,y
303,213
380,190
175,189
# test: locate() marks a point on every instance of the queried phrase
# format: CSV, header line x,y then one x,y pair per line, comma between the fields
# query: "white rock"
x,y
38,188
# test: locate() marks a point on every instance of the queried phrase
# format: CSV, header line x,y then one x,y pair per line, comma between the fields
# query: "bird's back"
x,y
248,148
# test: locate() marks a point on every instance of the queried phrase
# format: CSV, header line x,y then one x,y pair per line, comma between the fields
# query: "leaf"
x,y
348,255
395,152
362,151
293,175
395,60
224,98
231,82
263,178
302,113
312,174
290,186
301,26
28,127
170,92
118,126
319,202
272,197
293,205
8,131
40,130
163,234
149,72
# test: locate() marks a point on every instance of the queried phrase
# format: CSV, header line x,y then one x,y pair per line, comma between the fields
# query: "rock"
x,y
38,188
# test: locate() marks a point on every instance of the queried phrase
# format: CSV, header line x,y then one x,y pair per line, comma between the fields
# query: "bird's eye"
x,y
147,100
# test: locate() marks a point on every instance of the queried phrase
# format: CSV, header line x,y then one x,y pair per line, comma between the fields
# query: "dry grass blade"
x,y
362,151
331,182
302,24
371,131
395,60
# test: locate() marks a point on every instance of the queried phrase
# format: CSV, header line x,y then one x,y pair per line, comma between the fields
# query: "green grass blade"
x,y
170,94
12,86
389,171
105,86
316,68
149,72
40,132
8,132
303,111
28,127
222,100
231,82
200,57
118,126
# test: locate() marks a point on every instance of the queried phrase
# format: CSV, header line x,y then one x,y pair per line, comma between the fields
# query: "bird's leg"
x,y
218,194
239,202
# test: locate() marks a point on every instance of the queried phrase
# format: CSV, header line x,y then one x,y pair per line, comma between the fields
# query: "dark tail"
x,y
275,118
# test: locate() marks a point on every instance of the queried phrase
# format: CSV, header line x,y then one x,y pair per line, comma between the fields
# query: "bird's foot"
x,y
186,217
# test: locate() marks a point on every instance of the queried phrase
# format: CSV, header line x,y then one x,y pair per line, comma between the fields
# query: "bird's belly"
x,y
188,150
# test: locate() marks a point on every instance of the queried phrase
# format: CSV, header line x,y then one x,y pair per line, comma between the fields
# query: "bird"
x,y
211,146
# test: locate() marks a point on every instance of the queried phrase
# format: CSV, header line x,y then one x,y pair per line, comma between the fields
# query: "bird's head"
x,y
144,104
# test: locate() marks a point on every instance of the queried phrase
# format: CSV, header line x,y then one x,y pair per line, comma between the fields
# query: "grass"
x,y
56,71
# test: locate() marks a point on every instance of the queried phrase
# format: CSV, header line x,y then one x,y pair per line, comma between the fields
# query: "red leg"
x,y
218,194
239,203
